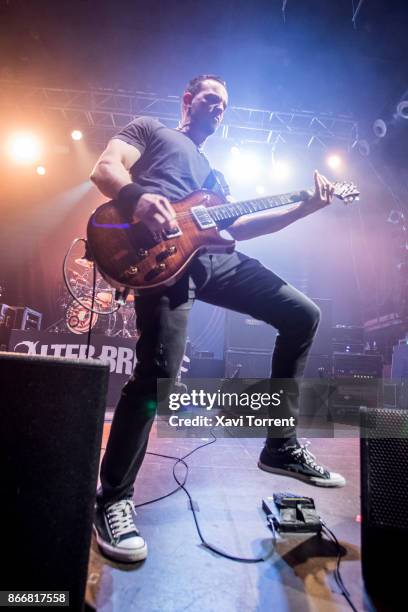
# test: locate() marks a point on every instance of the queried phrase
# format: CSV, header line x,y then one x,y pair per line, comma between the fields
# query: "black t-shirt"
x,y
171,164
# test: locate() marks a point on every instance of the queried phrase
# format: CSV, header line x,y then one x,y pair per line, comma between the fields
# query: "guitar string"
x,y
235,206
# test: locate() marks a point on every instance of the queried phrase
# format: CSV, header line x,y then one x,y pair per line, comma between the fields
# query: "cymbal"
x,y
84,263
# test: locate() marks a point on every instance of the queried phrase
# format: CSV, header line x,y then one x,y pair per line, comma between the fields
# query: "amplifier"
x,y
17,317
399,367
348,333
206,368
358,383
27,318
357,365
248,364
396,394
245,332
315,387
20,317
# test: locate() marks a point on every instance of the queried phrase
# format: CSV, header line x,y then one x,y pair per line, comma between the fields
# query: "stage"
x,y
227,488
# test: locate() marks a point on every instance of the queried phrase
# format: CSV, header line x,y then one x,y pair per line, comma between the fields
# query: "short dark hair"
x,y
194,85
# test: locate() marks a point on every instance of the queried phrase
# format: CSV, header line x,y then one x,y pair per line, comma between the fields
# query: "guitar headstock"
x,y
347,192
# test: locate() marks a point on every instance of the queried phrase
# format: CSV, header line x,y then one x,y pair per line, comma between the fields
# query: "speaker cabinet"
x,y
51,422
244,332
206,368
248,364
384,500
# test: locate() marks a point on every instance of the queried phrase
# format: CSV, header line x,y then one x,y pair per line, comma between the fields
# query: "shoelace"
x,y
310,459
120,518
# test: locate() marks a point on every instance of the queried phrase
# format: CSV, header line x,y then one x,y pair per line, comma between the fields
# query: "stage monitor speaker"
x,y
51,416
384,504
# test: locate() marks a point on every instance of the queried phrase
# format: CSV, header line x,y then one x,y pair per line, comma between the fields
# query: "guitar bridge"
x,y
202,217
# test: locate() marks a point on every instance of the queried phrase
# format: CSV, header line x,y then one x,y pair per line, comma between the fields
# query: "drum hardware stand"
x,y
121,295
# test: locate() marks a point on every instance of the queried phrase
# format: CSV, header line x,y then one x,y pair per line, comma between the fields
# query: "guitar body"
x,y
129,255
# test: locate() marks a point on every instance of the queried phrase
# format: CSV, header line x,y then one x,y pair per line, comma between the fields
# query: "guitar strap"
x,y
216,182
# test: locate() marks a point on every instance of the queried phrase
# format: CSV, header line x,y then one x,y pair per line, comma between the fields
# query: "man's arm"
x,y
268,222
111,175
111,171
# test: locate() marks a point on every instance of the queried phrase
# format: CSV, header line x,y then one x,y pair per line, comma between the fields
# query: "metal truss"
x,y
101,113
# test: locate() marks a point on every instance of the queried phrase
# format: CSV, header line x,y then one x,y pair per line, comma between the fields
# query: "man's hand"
x,y
322,196
156,212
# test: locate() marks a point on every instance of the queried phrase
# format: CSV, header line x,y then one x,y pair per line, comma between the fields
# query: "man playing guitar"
x,y
144,168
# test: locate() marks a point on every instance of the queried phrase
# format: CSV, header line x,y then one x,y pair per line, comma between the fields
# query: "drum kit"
x,y
107,319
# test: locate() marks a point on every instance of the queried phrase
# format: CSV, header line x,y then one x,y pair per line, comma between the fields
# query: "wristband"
x,y
128,197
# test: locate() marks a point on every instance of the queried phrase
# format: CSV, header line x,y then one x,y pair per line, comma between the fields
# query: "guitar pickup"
x,y
202,217
155,272
172,233
167,253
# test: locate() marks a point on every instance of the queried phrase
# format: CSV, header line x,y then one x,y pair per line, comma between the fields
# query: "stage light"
x,y
40,170
402,109
235,151
334,162
243,166
380,128
260,189
76,135
24,148
280,170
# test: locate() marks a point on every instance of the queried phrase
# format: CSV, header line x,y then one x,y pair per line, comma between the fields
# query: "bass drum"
x,y
77,317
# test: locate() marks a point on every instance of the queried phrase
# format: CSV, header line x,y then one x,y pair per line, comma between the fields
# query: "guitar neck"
x,y
234,210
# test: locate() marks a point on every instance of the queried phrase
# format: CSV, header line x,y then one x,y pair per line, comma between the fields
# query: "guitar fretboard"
x,y
234,210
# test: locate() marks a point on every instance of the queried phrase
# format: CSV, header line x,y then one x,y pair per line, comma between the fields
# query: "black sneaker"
x,y
296,461
117,534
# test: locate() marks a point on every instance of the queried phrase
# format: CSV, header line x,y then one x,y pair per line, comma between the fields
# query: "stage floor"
x,y
227,488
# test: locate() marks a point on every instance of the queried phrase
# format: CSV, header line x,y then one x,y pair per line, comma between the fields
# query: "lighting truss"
x,y
102,112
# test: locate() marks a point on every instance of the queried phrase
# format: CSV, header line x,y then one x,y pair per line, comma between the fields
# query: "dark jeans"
x,y
231,281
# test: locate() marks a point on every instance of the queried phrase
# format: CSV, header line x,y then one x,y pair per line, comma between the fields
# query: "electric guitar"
x,y
128,255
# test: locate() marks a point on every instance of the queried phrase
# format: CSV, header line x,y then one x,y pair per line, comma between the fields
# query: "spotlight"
x,y
24,148
40,170
334,162
235,151
260,189
280,171
76,135
243,166
380,128
402,109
